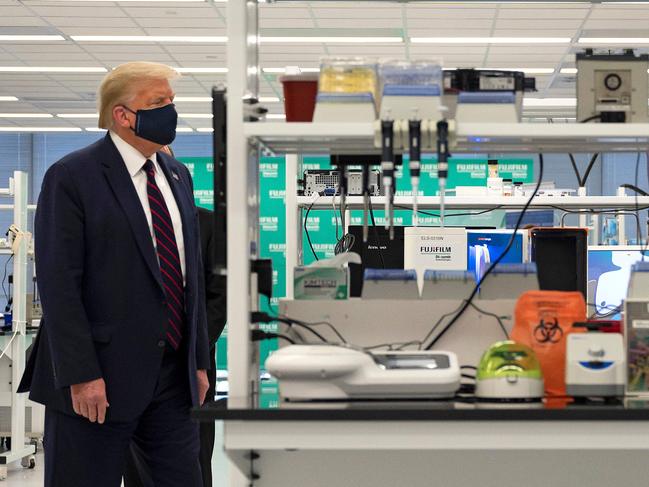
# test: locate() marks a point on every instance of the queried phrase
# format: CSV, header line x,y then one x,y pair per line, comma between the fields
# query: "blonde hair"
x,y
121,84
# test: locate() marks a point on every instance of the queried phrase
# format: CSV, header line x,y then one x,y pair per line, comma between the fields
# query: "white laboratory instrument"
x,y
595,365
328,372
612,87
509,371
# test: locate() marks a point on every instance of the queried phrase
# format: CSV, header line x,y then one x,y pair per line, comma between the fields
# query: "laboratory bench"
x,y
433,443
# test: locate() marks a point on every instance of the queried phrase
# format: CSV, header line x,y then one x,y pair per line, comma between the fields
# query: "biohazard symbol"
x,y
548,332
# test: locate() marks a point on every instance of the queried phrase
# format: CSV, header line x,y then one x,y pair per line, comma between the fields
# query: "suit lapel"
x,y
122,185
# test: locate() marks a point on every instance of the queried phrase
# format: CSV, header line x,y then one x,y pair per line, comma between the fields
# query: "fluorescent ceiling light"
x,y
205,129
94,129
184,129
50,69
201,70
549,102
77,115
192,99
195,115
331,40
204,39
40,129
490,40
47,38
631,41
120,1
269,99
568,70
8,98
26,115
283,70
276,116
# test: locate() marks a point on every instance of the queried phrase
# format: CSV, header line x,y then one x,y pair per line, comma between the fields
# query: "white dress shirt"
x,y
134,161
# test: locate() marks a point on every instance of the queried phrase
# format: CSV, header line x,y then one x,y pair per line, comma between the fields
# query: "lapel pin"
x,y
175,176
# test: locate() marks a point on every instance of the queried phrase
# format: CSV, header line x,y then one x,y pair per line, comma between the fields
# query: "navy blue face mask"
x,y
156,124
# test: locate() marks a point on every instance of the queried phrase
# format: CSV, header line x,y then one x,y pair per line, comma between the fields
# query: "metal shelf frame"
x,y
246,141
350,138
18,190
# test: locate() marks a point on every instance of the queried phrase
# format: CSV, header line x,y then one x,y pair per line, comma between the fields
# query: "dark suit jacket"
x,y
215,285
103,302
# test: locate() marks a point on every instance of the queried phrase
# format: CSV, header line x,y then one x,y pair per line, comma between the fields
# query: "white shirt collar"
x,y
133,158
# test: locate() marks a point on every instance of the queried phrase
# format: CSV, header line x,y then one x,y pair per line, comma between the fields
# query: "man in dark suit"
x,y
122,353
137,474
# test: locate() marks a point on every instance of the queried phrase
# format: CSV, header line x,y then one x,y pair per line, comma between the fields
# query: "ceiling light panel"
x,y
192,99
331,40
51,69
26,115
30,38
202,70
77,115
627,41
490,40
40,129
8,98
162,39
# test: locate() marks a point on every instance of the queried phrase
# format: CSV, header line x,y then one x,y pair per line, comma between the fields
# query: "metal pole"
x,y
18,448
621,222
292,223
239,246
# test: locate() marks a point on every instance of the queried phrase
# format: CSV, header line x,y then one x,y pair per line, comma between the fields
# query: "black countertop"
x,y
554,410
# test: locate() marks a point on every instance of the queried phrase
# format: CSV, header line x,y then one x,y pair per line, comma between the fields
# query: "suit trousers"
x,y
79,453
137,472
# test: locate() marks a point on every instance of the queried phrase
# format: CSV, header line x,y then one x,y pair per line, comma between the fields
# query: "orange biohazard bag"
x,y
543,319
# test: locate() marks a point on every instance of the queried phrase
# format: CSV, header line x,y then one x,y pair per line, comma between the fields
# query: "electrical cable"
x,y
590,119
612,311
390,346
467,376
6,349
261,317
589,212
493,315
285,319
474,213
490,269
581,180
589,169
306,229
4,279
439,322
376,234
306,327
472,367
633,187
643,243
344,244
258,317
259,335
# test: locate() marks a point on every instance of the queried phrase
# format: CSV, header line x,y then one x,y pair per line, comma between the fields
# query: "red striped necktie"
x,y
168,259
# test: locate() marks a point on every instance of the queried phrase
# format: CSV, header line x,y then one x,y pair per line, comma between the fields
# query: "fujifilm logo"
x,y
424,249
